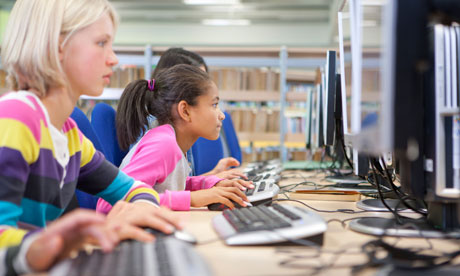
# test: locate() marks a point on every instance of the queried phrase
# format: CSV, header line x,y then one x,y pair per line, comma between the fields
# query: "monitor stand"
x,y
391,199
389,227
376,205
442,221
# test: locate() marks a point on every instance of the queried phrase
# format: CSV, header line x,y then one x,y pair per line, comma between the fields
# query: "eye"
x,y
102,43
215,105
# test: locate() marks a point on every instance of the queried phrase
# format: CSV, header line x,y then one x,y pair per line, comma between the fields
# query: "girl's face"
x,y
87,58
206,115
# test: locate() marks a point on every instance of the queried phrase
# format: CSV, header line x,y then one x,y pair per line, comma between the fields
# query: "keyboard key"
x,y
234,220
285,212
250,192
261,186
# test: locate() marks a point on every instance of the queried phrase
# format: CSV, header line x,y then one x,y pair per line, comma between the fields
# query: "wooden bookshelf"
x,y
260,96
251,76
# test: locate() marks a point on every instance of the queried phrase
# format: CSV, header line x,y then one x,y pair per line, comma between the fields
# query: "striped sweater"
x,y
41,166
158,161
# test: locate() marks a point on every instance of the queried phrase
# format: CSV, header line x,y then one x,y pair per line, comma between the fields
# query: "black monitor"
x,y
329,98
309,119
417,118
318,128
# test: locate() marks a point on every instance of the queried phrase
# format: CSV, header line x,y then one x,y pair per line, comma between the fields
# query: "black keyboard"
x,y
164,257
268,224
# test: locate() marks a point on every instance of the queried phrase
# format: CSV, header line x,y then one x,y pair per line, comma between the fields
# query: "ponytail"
x,y
132,112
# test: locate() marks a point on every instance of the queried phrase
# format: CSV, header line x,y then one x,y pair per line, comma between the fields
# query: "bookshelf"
x,y
277,101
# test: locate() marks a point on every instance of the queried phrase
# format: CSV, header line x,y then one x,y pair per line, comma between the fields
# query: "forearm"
x,y
195,183
176,200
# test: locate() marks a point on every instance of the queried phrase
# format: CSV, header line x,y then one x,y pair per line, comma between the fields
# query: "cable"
x,y
394,212
208,241
346,211
404,258
395,190
291,187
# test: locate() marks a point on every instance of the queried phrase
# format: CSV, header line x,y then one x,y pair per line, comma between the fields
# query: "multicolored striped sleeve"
x,y
19,147
101,178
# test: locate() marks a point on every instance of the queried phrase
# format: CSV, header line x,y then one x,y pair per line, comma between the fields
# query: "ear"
x,y
183,109
61,49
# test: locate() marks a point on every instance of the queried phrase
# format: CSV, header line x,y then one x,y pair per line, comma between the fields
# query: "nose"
x,y
221,115
112,59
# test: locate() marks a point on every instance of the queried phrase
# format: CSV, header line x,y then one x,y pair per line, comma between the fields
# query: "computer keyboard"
x,y
263,192
165,256
268,224
265,176
254,168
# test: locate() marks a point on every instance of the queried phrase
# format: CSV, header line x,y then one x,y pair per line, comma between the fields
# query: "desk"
x,y
265,260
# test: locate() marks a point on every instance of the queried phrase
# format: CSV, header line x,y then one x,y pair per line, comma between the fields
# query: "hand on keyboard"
x,y
239,183
224,164
131,217
231,174
221,207
66,234
223,195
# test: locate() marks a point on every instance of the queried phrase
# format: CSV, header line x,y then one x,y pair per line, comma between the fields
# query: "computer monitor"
x,y
319,137
309,118
347,46
329,98
416,118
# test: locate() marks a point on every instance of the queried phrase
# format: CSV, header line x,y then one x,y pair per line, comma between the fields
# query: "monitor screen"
x,y
367,93
309,118
319,138
345,67
329,98
349,50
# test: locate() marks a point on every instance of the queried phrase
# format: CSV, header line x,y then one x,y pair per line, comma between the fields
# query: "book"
x,y
326,195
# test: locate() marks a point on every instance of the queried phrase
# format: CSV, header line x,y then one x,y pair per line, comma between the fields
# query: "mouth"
x,y
107,77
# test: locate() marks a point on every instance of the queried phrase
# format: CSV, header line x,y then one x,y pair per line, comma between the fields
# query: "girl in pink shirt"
x,y
185,102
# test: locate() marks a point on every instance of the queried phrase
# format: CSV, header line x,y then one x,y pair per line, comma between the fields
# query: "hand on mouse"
x,y
223,195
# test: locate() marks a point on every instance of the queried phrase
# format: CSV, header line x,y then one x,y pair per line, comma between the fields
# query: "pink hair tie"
x,y
151,84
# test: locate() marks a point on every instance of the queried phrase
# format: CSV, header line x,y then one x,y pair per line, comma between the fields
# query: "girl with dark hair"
x,y
185,102
174,56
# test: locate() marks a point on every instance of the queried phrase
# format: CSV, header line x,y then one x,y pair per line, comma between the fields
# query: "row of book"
x,y
123,75
226,78
260,120
296,124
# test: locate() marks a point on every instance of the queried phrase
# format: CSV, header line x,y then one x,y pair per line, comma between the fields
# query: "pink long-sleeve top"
x,y
157,160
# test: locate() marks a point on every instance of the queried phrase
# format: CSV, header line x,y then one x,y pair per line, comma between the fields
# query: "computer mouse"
x,y
178,234
221,206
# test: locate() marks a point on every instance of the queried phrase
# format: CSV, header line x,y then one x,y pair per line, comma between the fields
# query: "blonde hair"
x,y
35,31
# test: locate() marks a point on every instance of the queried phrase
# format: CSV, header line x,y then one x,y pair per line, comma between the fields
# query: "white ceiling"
x,y
258,11
299,23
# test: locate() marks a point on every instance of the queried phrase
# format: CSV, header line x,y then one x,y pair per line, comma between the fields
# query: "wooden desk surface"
x,y
267,260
